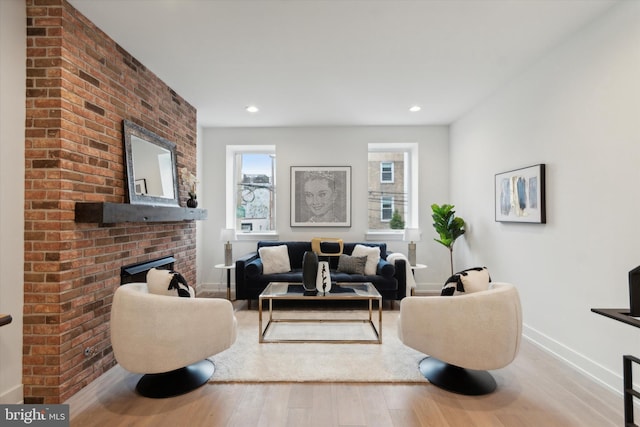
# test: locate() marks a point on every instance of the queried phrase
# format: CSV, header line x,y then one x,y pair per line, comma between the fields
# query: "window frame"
x,y
392,170
390,201
412,211
230,193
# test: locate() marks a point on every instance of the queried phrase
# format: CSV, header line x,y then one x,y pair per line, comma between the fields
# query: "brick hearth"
x,y
80,86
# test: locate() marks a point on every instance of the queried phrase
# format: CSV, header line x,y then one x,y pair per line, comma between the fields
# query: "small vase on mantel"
x,y
191,201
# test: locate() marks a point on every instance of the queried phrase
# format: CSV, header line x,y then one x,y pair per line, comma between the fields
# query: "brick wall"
x,y
80,86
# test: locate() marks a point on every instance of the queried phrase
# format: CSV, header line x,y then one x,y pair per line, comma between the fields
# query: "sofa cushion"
x,y
275,259
467,281
373,256
351,264
296,250
169,283
349,247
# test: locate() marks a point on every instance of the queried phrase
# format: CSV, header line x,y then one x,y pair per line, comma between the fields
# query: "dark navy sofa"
x,y
389,280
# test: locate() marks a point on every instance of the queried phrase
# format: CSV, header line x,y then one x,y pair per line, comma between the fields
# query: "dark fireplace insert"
x,y
138,272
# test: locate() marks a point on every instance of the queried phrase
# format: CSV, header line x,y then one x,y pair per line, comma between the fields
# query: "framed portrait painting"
x,y
321,196
520,195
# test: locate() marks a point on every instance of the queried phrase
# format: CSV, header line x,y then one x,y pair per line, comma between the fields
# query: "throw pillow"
x,y
467,281
170,283
373,256
275,259
351,264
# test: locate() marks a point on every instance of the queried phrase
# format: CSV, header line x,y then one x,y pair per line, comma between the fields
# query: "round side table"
x,y
413,271
228,268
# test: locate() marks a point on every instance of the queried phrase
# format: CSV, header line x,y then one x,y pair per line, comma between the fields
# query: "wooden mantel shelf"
x,y
5,319
112,213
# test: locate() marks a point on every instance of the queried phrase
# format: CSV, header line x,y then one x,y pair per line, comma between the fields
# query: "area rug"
x,y
249,361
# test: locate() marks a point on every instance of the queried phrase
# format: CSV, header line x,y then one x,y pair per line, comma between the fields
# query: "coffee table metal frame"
x,y
276,291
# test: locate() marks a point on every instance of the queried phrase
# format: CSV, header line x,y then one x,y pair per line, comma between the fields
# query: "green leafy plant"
x,y
448,226
396,223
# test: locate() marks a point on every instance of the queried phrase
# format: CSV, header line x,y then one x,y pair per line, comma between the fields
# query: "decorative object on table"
x,y
309,270
520,195
190,181
226,235
327,246
412,235
448,226
321,196
323,278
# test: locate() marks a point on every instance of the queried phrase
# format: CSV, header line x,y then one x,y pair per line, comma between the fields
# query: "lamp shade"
x,y
227,234
412,234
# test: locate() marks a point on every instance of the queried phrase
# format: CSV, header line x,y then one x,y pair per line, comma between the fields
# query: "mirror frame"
x,y
131,129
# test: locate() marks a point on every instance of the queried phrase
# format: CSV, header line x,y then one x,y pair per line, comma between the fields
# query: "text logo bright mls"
x,y
34,415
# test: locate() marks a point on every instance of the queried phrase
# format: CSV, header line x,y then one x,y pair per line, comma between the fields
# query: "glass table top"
x,y
340,290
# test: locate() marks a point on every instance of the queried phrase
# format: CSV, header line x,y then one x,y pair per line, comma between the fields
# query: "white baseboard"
x,y
593,370
213,287
13,396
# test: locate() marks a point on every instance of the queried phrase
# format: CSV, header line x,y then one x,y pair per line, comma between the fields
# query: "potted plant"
x,y
448,226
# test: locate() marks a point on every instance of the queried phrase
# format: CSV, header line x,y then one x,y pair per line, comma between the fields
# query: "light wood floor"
x,y
535,390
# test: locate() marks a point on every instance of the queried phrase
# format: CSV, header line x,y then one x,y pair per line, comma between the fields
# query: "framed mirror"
x,y
152,172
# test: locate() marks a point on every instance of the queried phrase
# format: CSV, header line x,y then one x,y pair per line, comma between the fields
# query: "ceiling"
x,y
337,62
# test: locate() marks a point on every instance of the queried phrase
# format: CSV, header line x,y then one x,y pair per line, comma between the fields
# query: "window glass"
x,y
254,196
391,177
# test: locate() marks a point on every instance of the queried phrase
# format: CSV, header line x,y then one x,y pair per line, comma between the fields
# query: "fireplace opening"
x,y
138,272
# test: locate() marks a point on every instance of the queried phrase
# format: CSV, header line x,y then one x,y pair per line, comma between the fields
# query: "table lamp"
x,y
412,235
226,235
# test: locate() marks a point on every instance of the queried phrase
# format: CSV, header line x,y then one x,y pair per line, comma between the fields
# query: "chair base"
x,y
455,379
174,383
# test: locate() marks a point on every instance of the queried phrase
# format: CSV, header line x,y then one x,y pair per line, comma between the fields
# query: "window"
x,y
386,208
386,172
393,186
251,193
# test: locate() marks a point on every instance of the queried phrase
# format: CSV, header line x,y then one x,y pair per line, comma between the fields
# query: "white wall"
x,y
578,111
12,118
322,146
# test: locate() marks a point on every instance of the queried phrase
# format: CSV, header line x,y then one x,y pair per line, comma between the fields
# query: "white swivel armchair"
x,y
463,336
169,338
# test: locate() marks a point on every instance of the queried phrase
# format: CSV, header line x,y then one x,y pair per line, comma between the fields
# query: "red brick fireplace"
x,y
80,86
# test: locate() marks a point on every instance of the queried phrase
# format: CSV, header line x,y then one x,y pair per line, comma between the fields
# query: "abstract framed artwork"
x,y
321,196
520,195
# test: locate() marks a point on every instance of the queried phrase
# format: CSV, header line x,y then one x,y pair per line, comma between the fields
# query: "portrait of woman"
x,y
320,196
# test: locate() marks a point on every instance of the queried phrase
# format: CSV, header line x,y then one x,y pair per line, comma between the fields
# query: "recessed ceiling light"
x,y
252,109
415,108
